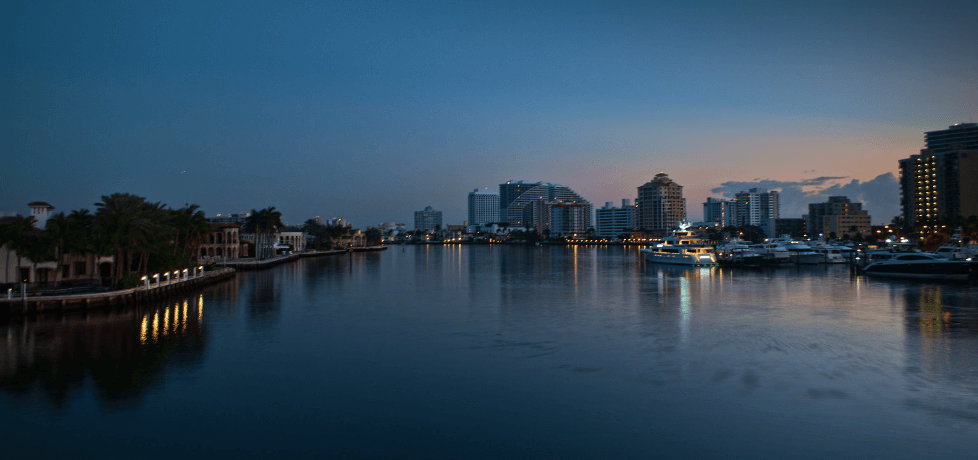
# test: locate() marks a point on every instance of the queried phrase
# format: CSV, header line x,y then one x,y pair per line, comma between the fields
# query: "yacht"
x,y
772,252
798,252
831,254
740,252
681,248
955,249
920,265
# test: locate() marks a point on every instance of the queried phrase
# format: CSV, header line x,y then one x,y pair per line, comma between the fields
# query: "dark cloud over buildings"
x,y
880,196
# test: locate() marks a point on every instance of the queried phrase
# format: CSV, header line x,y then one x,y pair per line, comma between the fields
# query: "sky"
x,y
373,110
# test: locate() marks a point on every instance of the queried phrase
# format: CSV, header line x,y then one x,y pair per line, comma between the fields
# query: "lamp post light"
x,y
145,282
10,293
186,274
201,270
167,275
157,278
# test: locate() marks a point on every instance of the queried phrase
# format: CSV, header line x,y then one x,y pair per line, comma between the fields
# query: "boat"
x,y
681,248
798,252
920,265
739,252
772,252
833,254
955,249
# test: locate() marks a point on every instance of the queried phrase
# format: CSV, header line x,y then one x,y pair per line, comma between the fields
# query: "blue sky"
x,y
372,110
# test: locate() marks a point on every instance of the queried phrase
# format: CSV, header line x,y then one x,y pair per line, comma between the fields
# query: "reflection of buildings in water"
x,y
122,353
676,294
428,262
264,297
942,329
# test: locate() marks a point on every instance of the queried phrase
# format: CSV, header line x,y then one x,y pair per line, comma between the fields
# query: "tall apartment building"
x,y
720,211
536,205
839,216
483,207
427,220
660,205
757,206
509,192
611,221
942,181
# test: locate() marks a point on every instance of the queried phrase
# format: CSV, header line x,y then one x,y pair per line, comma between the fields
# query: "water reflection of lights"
x,y
932,315
155,330
684,309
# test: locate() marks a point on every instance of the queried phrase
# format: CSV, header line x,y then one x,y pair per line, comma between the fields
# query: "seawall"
x,y
111,299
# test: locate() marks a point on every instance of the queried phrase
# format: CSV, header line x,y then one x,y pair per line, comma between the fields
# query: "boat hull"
x,y
948,270
679,259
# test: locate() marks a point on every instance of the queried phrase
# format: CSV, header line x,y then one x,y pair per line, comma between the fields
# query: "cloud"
x,y
880,196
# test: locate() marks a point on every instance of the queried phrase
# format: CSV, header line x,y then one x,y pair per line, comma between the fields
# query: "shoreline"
x,y
139,295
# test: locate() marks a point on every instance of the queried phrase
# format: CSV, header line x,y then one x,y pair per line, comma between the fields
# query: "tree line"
x,y
144,237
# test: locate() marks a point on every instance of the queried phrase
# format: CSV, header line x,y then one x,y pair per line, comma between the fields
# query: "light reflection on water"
x,y
494,351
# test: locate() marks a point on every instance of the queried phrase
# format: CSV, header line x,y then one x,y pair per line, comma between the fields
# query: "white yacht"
x,y
954,248
772,252
831,254
800,253
681,248
739,251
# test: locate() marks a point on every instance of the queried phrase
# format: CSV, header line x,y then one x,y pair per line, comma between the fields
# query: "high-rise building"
x,y
509,192
720,211
942,181
427,220
839,216
758,207
483,207
660,205
611,221
535,207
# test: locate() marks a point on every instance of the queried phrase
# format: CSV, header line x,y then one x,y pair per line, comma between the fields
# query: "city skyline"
x,y
371,111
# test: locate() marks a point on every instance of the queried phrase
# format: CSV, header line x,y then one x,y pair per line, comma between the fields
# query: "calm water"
x,y
494,352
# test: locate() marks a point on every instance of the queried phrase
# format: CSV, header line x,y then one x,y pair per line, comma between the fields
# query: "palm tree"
x,y
189,226
80,239
16,236
263,224
37,248
58,230
121,220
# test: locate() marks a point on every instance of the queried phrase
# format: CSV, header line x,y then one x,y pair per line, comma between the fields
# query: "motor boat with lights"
x,y
772,253
738,251
955,249
681,248
831,254
920,265
798,252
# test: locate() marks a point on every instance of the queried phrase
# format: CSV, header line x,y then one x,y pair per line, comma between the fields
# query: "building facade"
x,y
660,205
427,220
942,181
839,216
223,242
611,221
535,209
794,227
720,211
483,207
758,207
510,191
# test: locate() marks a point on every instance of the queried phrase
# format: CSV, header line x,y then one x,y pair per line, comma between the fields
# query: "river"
x,y
504,351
